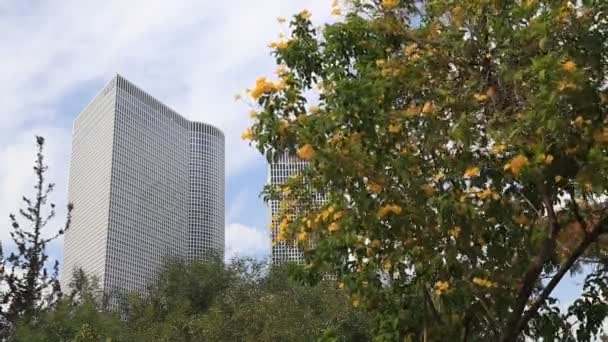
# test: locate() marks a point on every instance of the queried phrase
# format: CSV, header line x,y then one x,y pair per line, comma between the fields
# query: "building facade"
x,y
280,170
146,184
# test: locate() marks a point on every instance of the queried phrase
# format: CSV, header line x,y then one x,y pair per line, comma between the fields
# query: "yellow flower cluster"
x,y
580,121
517,164
441,287
472,172
281,44
305,14
333,227
389,209
306,152
410,49
374,187
428,107
247,135
569,66
455,232
499,148
390,4
601,135
263,86
480,97
335,8
302,236
484,282
548,159
282,235
394,127
488,194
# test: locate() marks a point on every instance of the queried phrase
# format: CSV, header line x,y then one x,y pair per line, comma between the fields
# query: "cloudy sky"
x,y
192,55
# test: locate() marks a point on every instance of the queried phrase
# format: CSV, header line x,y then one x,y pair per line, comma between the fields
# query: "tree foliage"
x,y
27,285
204,301
462,147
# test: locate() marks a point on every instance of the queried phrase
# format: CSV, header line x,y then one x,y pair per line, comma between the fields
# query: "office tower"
x,y
146,184
280,170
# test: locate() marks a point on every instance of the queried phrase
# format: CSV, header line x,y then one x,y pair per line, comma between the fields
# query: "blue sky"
x,y
193,55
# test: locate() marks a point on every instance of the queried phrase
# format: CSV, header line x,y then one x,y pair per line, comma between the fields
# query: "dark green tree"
x,y
28,284
77,316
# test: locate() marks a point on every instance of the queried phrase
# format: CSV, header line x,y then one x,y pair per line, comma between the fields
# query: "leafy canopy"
x,y
462,147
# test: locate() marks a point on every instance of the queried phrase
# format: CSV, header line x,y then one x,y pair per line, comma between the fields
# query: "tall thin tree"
x,y
27,284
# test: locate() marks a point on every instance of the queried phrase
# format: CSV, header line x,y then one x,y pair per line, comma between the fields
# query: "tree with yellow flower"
x,y
465,144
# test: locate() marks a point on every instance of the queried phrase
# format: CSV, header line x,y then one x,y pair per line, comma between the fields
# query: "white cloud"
x,y
245,241
193,55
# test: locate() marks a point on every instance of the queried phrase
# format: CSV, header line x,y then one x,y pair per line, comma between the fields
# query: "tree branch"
x,y
531,277
589,239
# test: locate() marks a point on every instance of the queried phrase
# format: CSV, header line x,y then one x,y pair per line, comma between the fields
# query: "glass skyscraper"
x,y
146,184
280,170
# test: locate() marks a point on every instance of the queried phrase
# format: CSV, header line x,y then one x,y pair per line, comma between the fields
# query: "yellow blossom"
x,y
314,109
499,148
601,135
481,97
484,282
438,176
390,4
281,85
302,236
281,44
569,66
547,159
262,86
247,135
441,287
455,232
580,121
427,108
253,114
336,11
287,191
306,152
517,164
394,127
410,49
333,227
305,14
488,194
374,187
281,70
472,172
338,215
389,209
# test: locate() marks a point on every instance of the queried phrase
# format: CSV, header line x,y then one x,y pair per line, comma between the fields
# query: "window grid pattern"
x,y
152,178
280,170
206,206
89,187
